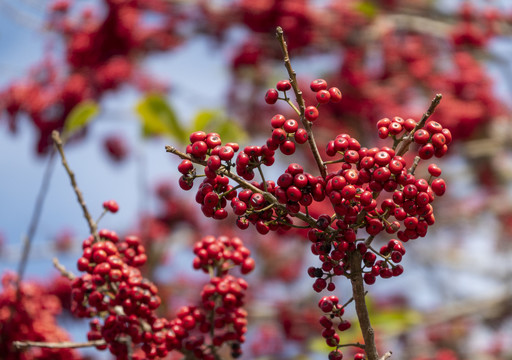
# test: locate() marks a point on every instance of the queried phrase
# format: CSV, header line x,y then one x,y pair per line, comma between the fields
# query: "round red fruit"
x,y
284,85
335,94
323,96
318,84
271,96
111,205
311,113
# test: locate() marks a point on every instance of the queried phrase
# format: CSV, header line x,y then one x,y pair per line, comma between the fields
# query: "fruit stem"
x,y
403,146
300,101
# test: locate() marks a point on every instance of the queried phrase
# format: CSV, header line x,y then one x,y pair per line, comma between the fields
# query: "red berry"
x,y
271,96
395,128
409,124
385,122
434,170
290,126
277,121
199,149
197,136
323,96
383,132
301,136
318,84
284,85
438,187
213,140
421,136
226,153
434,127
287,147
185,167
426,151
111,205
335,94
311,113
185,184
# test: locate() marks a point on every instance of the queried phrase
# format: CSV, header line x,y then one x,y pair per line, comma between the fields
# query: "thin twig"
x,y
414,165
63,270
34,221
20,345
92,225
404,144
300,102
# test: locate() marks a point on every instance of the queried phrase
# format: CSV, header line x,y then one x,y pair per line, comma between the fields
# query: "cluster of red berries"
x,y
219,318
224,251
30,315
113,285
114,289
101,50
371,190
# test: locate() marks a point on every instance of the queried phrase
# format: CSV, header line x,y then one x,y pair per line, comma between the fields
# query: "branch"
x,y
245,184
64,272
34,221
404,144
92,225
356,278
21,345
300,102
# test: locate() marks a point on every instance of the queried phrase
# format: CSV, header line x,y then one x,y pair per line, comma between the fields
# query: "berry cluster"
x,y
114,289
371,191
30,315
222,252
101,53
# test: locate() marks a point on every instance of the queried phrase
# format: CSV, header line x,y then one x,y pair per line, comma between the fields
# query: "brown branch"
x,y
300,102
34,221
356,278
414,165
64,272
21,345
406,141
92,225
245,184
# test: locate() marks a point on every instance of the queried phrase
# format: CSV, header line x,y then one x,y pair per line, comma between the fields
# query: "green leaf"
x,y
158,118
216,121
79,117
367,8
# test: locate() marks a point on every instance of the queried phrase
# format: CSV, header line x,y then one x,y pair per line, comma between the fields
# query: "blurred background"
x,y
124,78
